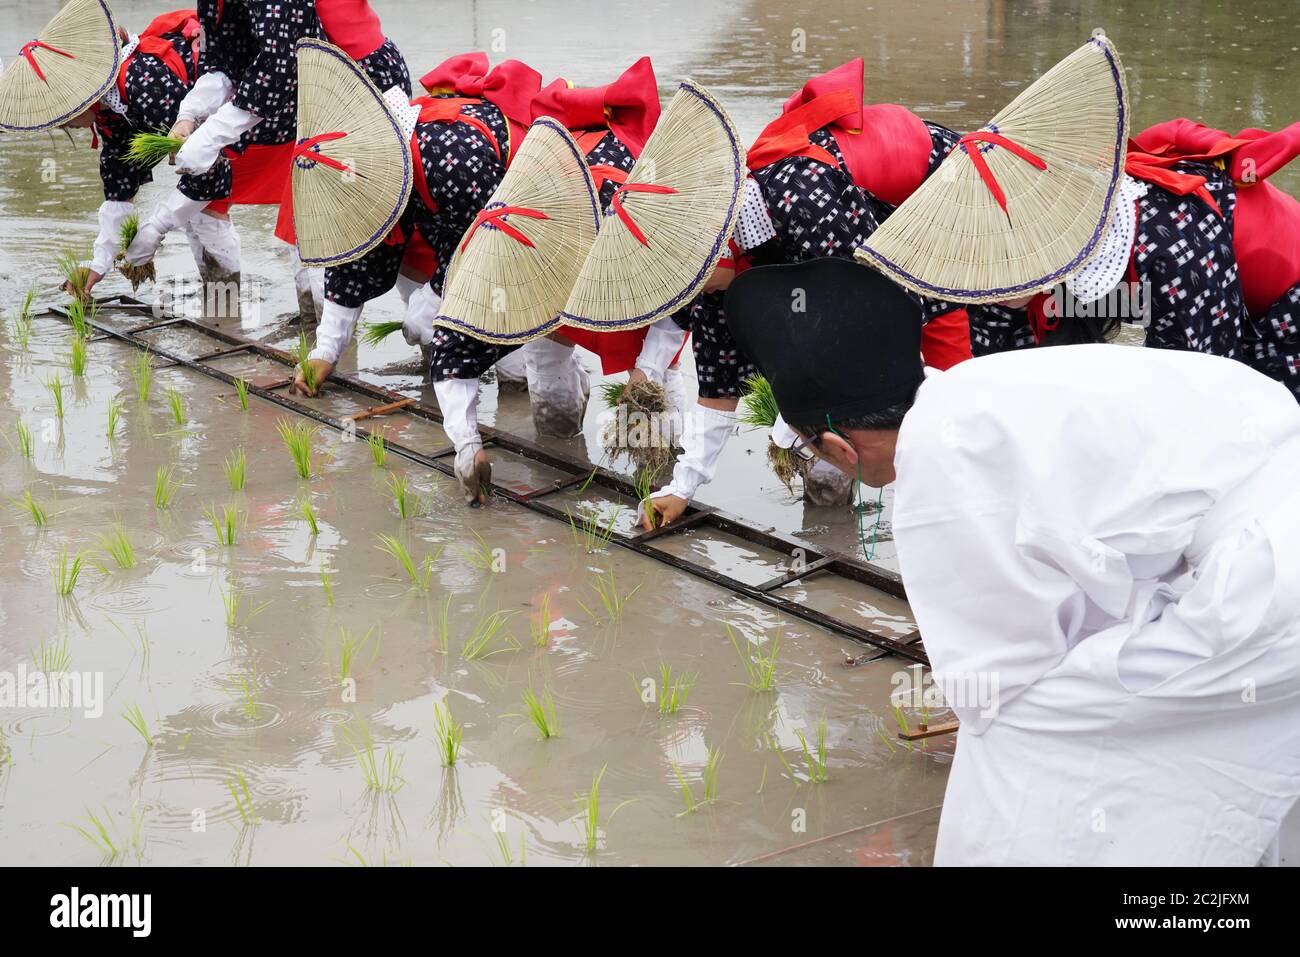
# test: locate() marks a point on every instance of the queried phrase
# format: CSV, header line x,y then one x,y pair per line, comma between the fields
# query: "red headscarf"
x,y
886,147
510,86
629,106
153,42
351,25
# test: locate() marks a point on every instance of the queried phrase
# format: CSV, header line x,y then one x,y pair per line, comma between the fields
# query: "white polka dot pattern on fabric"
x,y
112,99
1106,268
400,103
754,225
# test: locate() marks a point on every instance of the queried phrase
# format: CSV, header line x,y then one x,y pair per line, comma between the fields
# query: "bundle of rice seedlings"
x,y
758,409
74,273
636,428
134,274
150,149
373,333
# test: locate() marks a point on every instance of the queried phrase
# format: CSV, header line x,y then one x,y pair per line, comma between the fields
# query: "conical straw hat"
x,y
1056,155
65,70
352,167
668,224
513,271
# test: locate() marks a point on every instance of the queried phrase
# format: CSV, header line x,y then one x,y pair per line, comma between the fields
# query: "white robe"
x,y
1112,536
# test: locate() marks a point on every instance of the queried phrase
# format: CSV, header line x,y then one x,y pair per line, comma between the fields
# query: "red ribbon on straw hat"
x,y
617,205
982,166
494,218
307,149
26,54
603,174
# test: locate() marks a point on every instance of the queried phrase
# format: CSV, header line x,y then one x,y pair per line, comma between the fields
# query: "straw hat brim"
x,y
952,240
504,290
696,153
86,30
339,215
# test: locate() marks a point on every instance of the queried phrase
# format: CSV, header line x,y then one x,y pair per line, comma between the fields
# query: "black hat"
x,y
834,337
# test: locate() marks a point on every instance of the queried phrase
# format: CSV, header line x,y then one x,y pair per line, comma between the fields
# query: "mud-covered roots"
x,y
639,427
135,275
786,465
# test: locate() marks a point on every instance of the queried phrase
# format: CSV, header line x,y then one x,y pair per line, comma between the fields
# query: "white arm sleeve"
x,y
112,214
220,130
337,324
662,341
458,400
702,444
209,93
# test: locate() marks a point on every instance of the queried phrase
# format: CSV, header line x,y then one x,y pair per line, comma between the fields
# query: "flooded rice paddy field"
x,y
266,703
254,715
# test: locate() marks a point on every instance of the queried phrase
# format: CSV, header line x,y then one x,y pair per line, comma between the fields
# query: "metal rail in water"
x,y
871,577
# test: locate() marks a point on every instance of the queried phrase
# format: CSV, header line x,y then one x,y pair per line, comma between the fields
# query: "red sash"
x,y
629,106
1266,234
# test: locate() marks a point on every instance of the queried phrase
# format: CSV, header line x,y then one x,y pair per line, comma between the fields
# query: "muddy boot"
x,y
558,387
512,372
824,484
309,284
216,249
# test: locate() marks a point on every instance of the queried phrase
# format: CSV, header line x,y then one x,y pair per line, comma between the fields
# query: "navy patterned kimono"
x,y
386,68
817,210
153,97
460,356
462,169
1273,341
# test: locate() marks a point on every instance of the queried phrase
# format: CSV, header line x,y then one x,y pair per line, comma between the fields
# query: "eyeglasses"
x,y
807,448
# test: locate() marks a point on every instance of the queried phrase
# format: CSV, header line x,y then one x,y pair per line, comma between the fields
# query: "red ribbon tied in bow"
x,y
26,54
307,149
971,140
617,205
494,218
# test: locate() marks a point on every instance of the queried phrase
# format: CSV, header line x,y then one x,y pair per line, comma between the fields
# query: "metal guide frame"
x,y
578,472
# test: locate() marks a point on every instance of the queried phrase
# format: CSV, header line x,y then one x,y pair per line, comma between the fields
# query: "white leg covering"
x,y
215,246
512,371
458,401
558,386
309,281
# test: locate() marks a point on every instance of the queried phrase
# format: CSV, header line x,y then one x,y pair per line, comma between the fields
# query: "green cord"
x,y
859,506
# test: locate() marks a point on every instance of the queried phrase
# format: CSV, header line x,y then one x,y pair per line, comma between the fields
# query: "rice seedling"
x,y
241,390
150,149
710,778
760,668
589,819
25,445
51,657
308,515
77,316
55,387
479,644
448,734
673,691
301,351
142,373
901,719
97,835
75,275
232,600
606,589
135,718
611,393
177,404
350,648
381,774
590,533
816,762
443,637
297,438
165,486
77,356
643,483
504,852
327,581
636,428
119,548
66,572
378,448
126,235
227,524
479,555
115,409
235,468
244,690
541,712
237,785
6,755
541,625
880,733
23,321
418,574
408,502
34,509
373,333
758,410
776,749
